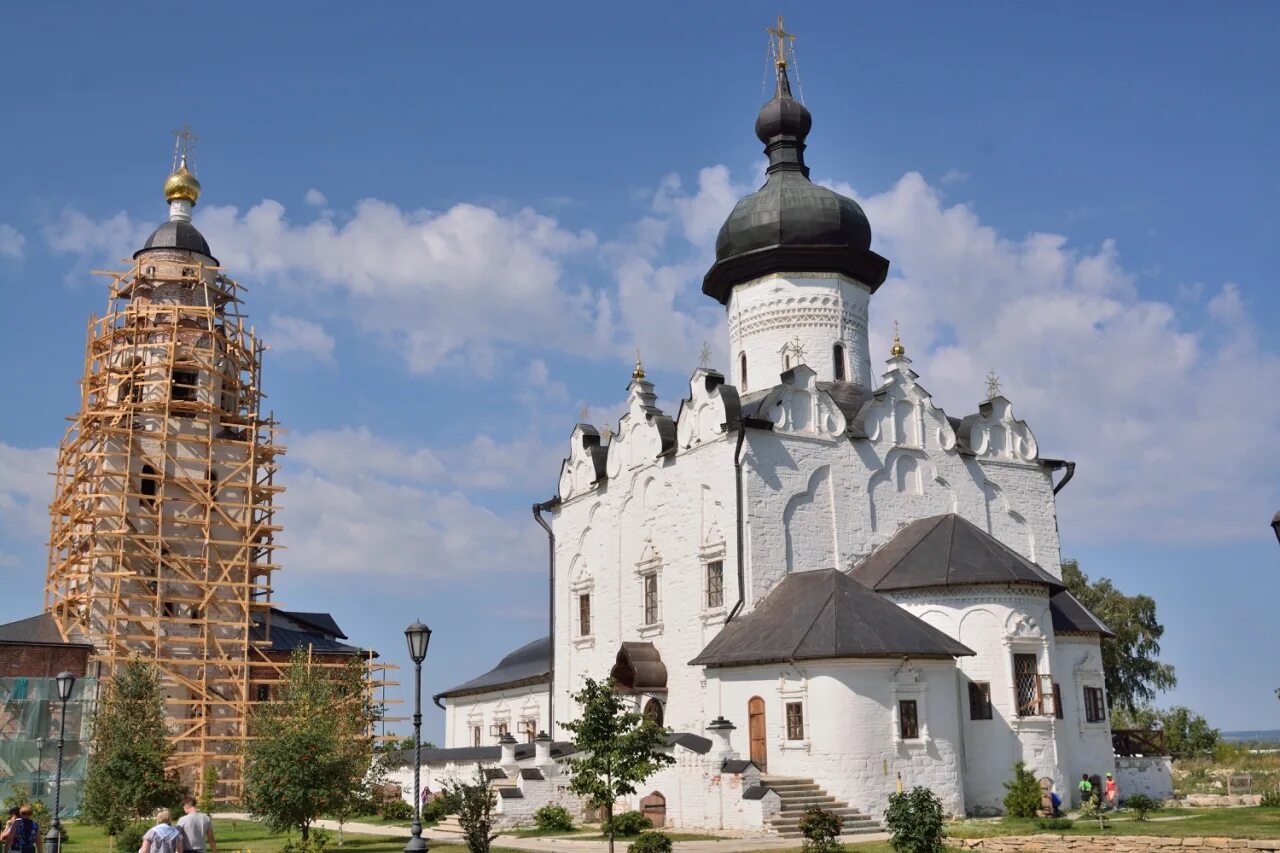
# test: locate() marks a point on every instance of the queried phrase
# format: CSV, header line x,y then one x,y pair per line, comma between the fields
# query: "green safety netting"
x,y
29,712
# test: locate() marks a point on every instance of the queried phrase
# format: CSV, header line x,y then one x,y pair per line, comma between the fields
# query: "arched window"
x,y
742,371
653,711
837,357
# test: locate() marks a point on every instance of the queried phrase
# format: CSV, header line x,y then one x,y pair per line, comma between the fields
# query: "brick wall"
x,y
38,660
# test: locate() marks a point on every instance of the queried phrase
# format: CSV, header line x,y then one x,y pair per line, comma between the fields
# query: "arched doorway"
x,y
654,807
653,711
755,728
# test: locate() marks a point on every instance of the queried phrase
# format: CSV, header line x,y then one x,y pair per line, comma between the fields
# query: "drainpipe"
x,y
538,509
737,496
1054,465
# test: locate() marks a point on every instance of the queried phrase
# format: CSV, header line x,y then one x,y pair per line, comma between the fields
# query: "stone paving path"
x,y
720,845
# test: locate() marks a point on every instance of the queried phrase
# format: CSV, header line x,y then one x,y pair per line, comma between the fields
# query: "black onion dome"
x,y
177,234
791,224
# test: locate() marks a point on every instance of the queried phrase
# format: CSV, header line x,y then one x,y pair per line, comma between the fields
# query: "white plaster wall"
x,y
1152,776
1086,746
512,706
852,748
816,309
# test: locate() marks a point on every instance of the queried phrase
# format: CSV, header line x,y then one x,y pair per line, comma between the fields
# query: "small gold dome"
x,y
182,185
898,349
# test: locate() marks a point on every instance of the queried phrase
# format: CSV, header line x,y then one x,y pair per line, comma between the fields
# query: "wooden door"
x,y
755,718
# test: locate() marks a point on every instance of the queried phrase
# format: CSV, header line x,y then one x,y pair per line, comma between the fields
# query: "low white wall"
x,y
1152,776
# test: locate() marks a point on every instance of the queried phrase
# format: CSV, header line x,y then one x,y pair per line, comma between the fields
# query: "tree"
x,y
1024,797
615,749
1133,675
476,801
1186,733
308,753
915,818
127,778
209,789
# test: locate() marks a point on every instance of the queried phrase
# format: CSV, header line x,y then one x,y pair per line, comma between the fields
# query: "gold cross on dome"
x,y
184,148
779,40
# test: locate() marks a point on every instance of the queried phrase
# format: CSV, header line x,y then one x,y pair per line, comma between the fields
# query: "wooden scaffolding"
x,y
163,523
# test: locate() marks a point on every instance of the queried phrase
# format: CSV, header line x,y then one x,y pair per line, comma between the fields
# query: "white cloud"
x,y
295,335
356,501
315,198
26,488
952,177
112,238
11,242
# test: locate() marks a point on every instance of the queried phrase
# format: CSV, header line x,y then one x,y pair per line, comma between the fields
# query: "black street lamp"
x,y
418,636
39,765
53,841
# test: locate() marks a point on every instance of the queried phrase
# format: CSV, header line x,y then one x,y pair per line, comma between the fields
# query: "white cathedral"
x,y
826,587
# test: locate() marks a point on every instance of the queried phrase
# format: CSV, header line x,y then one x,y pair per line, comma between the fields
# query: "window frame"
x,y
184,391
838,361
584,618
980,707
1095,704
909,723
793,720
1028,701
742,372
718,587
650,600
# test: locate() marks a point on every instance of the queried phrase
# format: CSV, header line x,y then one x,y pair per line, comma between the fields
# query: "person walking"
x,y
197,829
21,833
1113,793
163,837
1086,790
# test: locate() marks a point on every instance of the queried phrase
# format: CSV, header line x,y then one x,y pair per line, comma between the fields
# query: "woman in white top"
x,y
163,837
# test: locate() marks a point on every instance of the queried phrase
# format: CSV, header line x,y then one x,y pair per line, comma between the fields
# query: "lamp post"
x,y
53,841
1275,525
418,636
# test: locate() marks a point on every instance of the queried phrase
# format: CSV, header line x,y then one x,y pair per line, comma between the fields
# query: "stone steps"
x,y
449,825
799,794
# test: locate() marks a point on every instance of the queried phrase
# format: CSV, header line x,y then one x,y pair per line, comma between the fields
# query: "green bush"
x,y
208,789
1141,805
628,823
1023,799
553,819
437,809
915,818
650,842
1271,799
129,839
1054,823
397,810
821,830
317,841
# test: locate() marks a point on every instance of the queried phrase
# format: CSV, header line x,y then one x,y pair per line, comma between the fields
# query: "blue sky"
x,y
457,223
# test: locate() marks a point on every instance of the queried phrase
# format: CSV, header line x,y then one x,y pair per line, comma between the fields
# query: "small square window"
x,y
795,721
184,386
979,700
264,692
651,599
908,721
715,584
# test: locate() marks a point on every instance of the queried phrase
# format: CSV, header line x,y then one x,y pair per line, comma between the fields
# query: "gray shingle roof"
x,y
825,614
528,664
1072,617
947,550
34,630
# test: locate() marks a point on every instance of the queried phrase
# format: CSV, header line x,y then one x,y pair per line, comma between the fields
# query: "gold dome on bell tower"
x,y
182,184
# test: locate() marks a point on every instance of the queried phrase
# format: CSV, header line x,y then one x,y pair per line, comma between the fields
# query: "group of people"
x,y
193,832
1106,795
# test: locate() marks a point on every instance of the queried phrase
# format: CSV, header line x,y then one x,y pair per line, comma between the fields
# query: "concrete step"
x,y
868,830
449,825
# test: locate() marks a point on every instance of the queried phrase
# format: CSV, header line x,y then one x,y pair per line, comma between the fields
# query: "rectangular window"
x,y
183,386
651,599
795,721
584,615
264,692
530,729
475,735
908,721
715,584
979,700
497,730
1057,700
1026,685
1095,710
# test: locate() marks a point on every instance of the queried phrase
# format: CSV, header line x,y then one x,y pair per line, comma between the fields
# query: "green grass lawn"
x,y
1228,823
379,820
246,836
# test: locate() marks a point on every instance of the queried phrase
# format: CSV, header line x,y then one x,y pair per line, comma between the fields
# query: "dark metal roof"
x,y
791,224
322,622
531,773
947,550
177,234
528,664
639,668
689,740
508,792
404,757
825,614
289,636
1072,617
757,792
737,766
39,630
